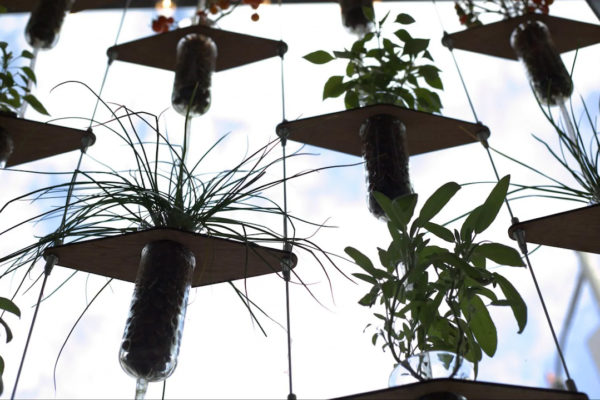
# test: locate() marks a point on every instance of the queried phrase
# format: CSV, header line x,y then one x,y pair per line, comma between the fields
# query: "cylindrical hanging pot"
x,y
154,326
353,16
550,79
44,23
196,61
385,152
7,146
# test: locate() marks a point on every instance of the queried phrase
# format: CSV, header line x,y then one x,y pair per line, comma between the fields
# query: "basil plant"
x,y
393,70
435,298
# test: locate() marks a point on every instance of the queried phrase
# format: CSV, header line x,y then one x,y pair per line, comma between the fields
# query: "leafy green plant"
x,y
384,70
434,298
468,11
14,87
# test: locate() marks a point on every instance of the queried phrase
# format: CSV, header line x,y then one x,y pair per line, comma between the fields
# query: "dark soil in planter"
x,y
45,21
196,60
353,16
155,324
386,155
6,147
549,77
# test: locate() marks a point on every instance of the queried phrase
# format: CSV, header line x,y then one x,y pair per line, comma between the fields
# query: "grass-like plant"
x,y
163,190
578,153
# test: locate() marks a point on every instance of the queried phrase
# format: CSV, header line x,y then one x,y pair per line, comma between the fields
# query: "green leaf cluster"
x,y
6,305
14,82
395,70
437,298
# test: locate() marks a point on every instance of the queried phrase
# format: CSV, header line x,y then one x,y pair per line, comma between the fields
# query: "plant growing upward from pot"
x,y
431,300
531,40
163,191
381,70
14,92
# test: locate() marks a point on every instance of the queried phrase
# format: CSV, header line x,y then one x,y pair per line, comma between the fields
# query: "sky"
x,y
223,355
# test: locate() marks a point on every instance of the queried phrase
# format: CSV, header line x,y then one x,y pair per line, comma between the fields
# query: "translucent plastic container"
x,y
196,61
154,326
45,21
549,78
431,365
385,152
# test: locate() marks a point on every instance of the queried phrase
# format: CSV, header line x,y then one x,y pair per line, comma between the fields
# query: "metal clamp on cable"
x,y
51,260
447,41
282,48
87,140
282,132
112,55
571,387
519,236
483,134
286,262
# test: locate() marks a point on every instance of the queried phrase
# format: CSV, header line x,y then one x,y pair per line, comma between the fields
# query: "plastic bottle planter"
x,y
384,150
431,365
45,21
550,79
6,147
353,16
196,60
153,330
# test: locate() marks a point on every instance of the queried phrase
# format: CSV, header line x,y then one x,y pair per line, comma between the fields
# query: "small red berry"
x,y
254,17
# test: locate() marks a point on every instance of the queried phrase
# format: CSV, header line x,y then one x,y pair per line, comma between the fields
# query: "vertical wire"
x,y
286,264
52,260
519,234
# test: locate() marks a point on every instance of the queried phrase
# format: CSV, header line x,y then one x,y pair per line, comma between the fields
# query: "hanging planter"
x,y
196,61
549,78
45,21
386,159
353,15
6,147
154,327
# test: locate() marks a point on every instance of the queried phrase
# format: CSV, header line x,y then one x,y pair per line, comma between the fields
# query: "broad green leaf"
x,y
350,69
369,299
319,57
481,324
404,207
342,54
35,103
382,20
431,75
386,205
9,334
439,231
404,19
27,54
501,254
517,304
360,259
434,204
8,305
366,278
415,46
490,208
403,35
351,99
334,87
30,74
369,13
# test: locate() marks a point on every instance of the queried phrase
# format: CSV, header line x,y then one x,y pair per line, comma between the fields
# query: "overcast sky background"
x,y
223,355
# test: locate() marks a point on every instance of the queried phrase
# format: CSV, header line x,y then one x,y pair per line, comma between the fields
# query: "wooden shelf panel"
x,y
576,229
233,49
472,390
217,260
340,131
36,140
494,39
